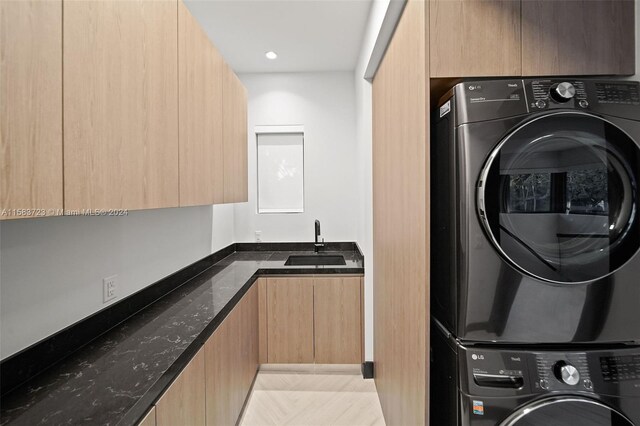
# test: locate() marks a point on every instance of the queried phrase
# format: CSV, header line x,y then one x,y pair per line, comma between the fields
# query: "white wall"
x,y
364,140
324,103
223,228
51,269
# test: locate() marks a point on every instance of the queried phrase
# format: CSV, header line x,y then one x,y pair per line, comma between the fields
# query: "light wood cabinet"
x,y
474,38
400,96
249,338
120,104
184,401
235,138
232,362
31,107
149,419
577,37
150,115
337,317
311,320
263,342
200,112
290,320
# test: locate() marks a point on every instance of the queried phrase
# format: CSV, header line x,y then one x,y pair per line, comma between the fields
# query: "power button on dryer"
x,y
541,104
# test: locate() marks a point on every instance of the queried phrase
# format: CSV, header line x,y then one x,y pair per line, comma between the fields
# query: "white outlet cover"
x,y
258,236
109,288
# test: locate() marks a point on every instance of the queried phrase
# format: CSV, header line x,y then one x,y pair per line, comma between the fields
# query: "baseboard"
x,y
367,369
311,368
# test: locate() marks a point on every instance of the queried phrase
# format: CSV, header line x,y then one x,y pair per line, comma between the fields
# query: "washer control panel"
x,y
616,369
502,372
563,371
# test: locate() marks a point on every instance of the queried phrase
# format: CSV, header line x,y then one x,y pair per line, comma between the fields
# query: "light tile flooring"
x,y
312,399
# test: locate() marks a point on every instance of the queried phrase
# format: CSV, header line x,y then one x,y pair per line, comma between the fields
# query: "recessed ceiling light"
x,y
271,55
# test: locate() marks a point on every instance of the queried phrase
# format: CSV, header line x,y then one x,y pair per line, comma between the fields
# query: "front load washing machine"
x,y
519,386
535,211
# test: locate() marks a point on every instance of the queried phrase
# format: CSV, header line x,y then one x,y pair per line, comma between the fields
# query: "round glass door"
x,y
558,197
566,411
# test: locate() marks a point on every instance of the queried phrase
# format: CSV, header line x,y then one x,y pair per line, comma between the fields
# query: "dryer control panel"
x,y
611,97
483,100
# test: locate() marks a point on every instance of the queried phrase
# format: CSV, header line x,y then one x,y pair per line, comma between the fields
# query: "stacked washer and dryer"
x,y
535,271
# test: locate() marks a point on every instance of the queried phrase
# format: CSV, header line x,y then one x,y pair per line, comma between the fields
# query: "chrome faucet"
x,y
318,245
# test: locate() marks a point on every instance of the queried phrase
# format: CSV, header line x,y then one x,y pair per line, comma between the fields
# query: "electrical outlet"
x,y
109,286
258,236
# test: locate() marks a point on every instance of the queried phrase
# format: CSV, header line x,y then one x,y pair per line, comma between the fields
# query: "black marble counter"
x,y
117,377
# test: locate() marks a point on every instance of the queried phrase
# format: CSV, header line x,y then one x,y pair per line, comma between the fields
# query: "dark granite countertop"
x,y
118,376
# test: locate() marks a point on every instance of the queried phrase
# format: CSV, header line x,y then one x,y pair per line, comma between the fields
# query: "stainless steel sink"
x,y
315,259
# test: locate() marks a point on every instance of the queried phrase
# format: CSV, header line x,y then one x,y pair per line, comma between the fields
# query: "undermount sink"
x,y
315,259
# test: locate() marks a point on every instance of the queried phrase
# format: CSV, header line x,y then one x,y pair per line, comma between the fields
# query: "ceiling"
x,y
307,35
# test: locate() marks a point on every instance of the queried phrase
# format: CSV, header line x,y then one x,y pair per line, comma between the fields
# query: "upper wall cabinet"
x,y
30,107
474,38
235,137
200,110
577,37
120,104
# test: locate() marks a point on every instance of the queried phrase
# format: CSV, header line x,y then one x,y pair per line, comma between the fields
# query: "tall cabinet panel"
x,y
30,107
474,38
577,37
120,104
401,219
235,138
200,111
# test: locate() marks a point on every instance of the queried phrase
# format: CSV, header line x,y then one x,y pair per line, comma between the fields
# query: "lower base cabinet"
x,y
290,320
184,402
337,319
212,388
232,362
149,419
312,319
279,320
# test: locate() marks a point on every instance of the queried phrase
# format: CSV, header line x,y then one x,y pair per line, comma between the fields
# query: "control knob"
x,y
566,373
562,92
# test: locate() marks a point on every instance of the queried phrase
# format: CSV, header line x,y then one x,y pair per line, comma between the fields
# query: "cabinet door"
x,y
338,320
235,138
262,321
200,111
120,104
184,402
149,419
249,330
470,38
222,351
232,361
290,320
31,106
577,37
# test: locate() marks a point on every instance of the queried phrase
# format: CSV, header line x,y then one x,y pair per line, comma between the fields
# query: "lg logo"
x,y
476,357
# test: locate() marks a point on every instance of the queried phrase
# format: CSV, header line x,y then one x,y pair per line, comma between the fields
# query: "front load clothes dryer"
x,y
535,211
513,386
